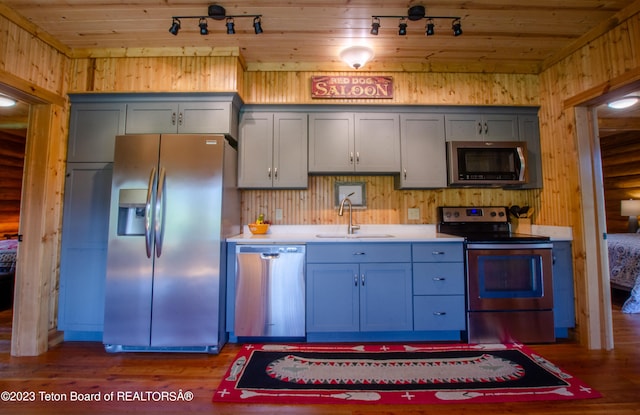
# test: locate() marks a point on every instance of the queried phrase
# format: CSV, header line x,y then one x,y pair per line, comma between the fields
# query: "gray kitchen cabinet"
x,y
361,142
439,287
272,150
564,315
198,117
423,152
530,133
92,131
83,254
358,287
481,126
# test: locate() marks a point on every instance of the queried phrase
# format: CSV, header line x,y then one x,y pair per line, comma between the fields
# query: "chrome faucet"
x,y
351,227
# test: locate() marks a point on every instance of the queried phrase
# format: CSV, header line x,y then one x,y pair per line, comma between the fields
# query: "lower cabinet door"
x,y
385,297
332,297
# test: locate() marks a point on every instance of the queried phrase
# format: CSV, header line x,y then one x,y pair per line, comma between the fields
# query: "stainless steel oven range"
x,y
509,277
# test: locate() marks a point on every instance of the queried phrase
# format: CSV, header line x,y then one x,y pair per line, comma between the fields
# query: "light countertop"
x,y
338,233
371,233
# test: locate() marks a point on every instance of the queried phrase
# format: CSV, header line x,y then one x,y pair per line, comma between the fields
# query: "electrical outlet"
x,y
414,214
278,214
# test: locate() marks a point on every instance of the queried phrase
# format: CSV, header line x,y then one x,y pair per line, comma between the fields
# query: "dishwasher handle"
x,y
270,255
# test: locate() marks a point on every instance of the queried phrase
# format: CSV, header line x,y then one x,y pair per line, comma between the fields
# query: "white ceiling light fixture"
x,y
623,103
356,56
6,101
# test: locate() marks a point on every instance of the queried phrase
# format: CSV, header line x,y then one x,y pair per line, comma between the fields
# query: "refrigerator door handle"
x,y
148,214
159,216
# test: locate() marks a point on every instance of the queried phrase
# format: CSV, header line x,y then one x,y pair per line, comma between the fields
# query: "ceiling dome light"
x,y
356,56
623,103
7,102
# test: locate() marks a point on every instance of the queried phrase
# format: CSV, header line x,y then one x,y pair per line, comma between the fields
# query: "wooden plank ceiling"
x,y
513,36
507,36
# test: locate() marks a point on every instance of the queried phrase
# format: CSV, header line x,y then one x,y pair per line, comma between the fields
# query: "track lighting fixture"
x,y
216,12
417,13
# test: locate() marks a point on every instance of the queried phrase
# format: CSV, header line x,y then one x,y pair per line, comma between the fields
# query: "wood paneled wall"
x,y
593,69
621,174
12,144
157,74
385,205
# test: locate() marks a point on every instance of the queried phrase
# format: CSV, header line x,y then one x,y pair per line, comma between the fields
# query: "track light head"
x,y
456,26
175,27
204,29
402,27
375,26
430,29
257,25
231,27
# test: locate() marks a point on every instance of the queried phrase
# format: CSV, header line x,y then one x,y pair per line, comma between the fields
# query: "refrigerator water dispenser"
x,y
131,207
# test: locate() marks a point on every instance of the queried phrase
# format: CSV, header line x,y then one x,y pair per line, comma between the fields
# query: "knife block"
x,y
521,225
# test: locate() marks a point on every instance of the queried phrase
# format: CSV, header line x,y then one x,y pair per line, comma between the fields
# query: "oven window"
x,y
510,276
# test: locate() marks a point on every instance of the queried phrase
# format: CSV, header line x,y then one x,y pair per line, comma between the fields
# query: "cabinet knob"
x,y
269,172
351,157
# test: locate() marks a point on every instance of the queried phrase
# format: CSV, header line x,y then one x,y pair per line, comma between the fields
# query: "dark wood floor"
x,y
85,368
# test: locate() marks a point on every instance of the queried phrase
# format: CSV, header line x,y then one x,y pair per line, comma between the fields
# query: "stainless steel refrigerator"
x,y
174,200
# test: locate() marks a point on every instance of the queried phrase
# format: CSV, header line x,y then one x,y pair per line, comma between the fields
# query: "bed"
x,y
624,267
8,250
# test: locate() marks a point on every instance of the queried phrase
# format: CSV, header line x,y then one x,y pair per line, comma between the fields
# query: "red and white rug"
x,y
394,374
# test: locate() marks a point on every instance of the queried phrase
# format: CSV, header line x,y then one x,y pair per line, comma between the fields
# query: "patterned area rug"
x,y
394,374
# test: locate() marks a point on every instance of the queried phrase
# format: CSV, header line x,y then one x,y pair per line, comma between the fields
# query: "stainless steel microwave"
x,y
482,163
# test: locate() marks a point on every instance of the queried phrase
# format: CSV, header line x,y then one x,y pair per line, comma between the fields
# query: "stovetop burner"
x,y
481,224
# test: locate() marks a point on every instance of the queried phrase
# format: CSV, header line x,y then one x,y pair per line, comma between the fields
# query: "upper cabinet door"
x,y
481,127
423,151
377,143
152,118
290,150
255,150
93,129
183,117
331,143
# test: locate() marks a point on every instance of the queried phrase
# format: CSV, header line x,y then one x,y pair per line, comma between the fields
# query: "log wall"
x,y
621,175
12,144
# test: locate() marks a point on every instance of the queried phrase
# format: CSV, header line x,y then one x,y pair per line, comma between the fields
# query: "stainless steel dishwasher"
x,y
270,291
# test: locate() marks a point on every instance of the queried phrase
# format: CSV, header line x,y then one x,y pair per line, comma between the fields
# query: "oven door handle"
x,y
543,245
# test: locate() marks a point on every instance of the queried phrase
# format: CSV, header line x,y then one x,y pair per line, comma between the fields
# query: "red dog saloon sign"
x,y
355,87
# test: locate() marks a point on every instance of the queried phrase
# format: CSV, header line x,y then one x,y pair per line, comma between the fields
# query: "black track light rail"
x,y
410,18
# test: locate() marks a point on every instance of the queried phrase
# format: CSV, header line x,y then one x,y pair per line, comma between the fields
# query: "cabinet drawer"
x,y
438,279
358,252
439,312
438,252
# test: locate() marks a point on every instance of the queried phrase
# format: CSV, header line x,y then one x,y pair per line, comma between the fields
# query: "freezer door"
x,y
129,277
186,289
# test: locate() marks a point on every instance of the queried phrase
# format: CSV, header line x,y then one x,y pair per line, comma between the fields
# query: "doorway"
x,y
13,135
14,121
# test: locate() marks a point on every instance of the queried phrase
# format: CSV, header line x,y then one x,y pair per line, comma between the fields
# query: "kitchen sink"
x,y
354,236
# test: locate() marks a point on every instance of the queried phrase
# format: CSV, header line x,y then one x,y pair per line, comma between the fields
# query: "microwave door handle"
x,y
522,163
